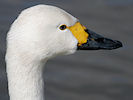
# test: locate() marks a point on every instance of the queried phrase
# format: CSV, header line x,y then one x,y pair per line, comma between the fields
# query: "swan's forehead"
x,y
58,16
52,15
63,18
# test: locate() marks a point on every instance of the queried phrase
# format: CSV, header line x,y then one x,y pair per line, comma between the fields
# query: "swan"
x,y
38,34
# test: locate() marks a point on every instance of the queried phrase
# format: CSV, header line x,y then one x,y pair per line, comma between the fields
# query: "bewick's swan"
x,y
38,34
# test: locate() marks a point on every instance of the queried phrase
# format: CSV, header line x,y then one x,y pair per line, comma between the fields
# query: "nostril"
x,y
100,40
86,30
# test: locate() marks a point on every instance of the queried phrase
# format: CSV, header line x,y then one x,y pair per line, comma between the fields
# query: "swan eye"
x,y
63,27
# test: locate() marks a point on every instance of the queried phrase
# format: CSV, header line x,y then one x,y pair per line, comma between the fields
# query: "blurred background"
x,y
86,75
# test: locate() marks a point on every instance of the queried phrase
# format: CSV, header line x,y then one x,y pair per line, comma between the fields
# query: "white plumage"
x,y
38,34
33,38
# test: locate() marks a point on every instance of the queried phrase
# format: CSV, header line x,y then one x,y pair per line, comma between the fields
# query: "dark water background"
x,y
86,75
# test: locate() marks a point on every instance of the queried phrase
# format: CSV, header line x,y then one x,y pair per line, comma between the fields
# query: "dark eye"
x,y
63,27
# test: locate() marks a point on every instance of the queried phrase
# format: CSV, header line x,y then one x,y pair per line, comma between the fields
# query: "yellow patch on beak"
x,y
79,32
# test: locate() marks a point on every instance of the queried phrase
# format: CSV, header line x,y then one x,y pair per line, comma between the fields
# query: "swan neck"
x,y
25,79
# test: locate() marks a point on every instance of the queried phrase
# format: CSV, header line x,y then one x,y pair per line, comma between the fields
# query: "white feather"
x,y
33,38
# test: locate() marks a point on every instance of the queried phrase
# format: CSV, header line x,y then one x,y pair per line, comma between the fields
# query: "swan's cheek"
x,y
72,45
71,51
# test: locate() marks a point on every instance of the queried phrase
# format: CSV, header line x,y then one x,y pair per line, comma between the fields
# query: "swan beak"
x,y
89,40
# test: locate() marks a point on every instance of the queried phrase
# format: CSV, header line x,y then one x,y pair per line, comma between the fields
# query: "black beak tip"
x,y
114,45
118,44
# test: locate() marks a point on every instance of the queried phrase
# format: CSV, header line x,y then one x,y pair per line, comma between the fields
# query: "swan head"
x,y
47,31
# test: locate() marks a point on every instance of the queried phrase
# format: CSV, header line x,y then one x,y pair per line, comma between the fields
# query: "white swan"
x,y
38,34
